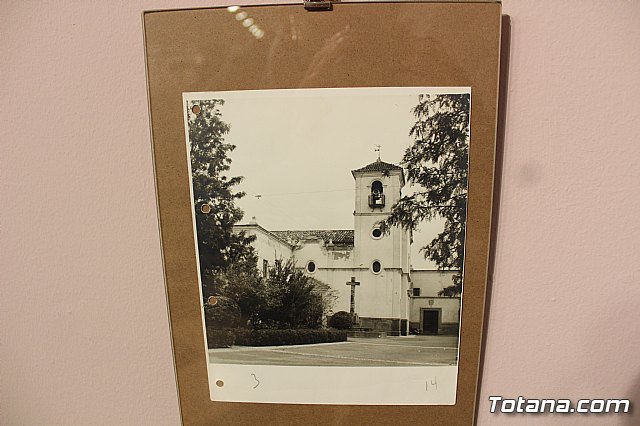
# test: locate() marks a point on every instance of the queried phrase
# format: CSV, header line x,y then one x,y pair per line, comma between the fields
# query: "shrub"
x,y
294,300
341,320
287,337
219,338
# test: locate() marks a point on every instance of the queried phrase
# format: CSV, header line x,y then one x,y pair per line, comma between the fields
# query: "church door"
x,y
430,321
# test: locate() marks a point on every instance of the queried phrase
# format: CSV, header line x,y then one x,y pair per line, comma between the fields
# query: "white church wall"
x,y
337,279
380,294
369,249
383,302
268,247
449,308
405,311
402,248
430,282
324,256
405,250
334,267
385,293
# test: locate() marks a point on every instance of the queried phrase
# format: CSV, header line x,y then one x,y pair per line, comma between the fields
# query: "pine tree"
x,y
437,162
214,196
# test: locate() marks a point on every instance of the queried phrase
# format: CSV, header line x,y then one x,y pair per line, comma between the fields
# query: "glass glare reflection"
x,y
247,22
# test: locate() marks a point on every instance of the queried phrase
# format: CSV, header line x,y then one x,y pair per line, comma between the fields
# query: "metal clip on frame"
x,y
317,5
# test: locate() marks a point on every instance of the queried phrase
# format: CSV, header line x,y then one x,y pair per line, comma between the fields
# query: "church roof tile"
x,y
377,166
336,236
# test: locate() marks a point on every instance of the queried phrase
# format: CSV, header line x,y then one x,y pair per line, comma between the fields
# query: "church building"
x,y
370,272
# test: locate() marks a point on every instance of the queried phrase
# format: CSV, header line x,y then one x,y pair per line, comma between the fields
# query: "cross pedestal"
x,y
353,283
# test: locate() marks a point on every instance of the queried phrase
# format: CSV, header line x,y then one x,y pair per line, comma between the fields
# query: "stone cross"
x,y
353,283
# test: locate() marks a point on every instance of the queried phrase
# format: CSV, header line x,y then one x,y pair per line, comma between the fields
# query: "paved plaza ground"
x,y
356,352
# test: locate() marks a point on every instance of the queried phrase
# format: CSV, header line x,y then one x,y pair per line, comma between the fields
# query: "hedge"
x,y
220,338
341,320
287,337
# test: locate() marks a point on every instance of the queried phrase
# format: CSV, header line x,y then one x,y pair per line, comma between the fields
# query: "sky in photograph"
x,y
296,149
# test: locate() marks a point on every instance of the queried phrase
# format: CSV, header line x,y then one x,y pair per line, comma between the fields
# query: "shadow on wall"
x,y
505,51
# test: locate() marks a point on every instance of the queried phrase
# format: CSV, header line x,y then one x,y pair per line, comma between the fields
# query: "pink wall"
x,y
85,337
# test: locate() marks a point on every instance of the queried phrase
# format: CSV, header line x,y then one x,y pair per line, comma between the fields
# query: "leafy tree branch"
x,y
437,163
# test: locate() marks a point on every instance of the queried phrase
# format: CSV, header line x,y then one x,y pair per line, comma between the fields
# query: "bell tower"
x,y
377,189
382,259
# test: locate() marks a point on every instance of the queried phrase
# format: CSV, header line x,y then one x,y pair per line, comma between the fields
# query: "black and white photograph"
x,y
330,233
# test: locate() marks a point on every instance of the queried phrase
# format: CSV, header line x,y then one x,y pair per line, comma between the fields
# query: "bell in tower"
x,y
378,187
376,199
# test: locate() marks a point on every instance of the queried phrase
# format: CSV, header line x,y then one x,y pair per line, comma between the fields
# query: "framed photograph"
x,y
331,253
324,194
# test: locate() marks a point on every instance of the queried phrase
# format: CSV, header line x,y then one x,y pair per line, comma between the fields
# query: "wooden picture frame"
x,y
412,44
